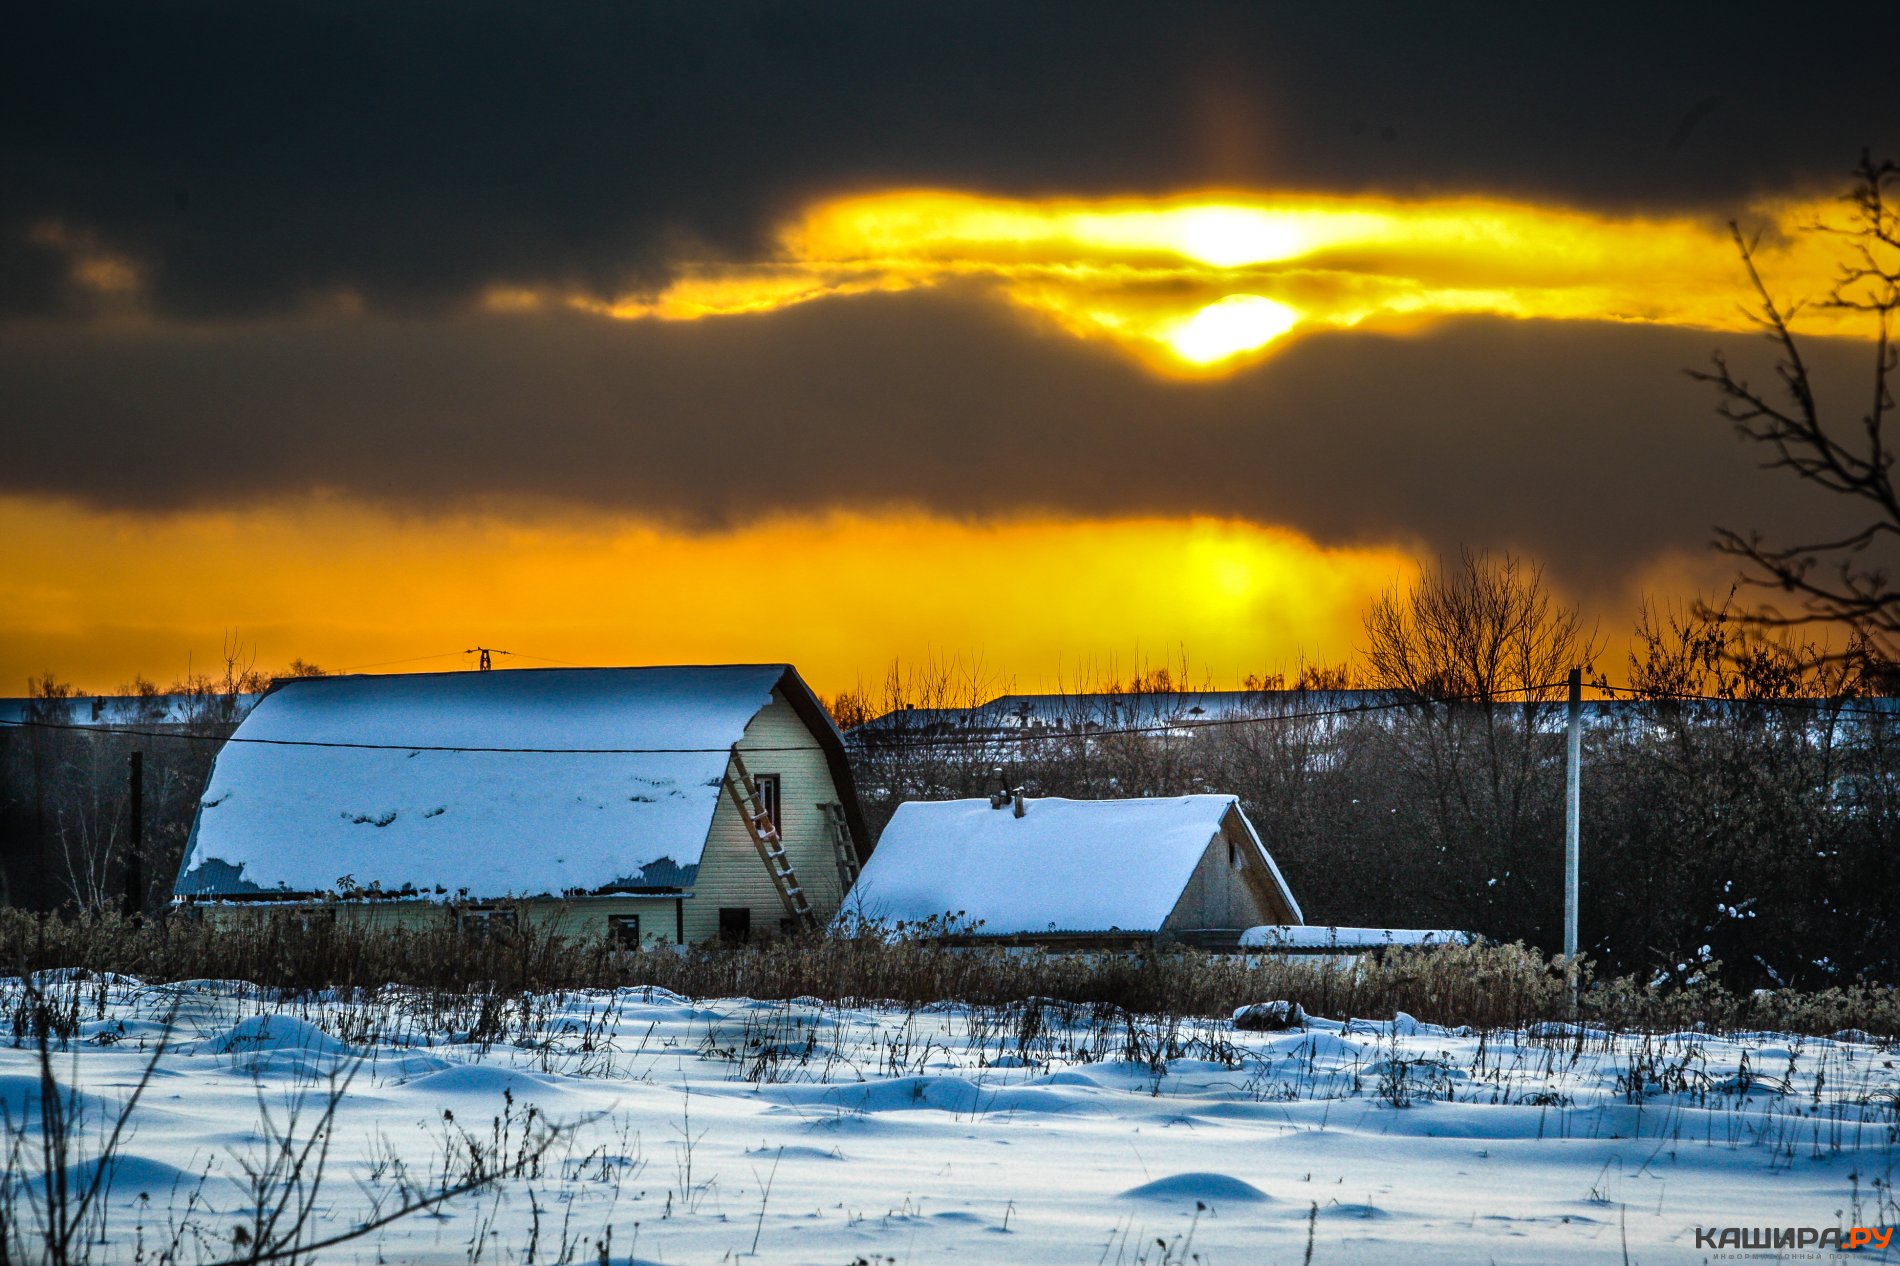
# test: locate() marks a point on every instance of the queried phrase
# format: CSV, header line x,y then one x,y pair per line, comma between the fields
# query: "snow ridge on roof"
x,y
494,824
1064,866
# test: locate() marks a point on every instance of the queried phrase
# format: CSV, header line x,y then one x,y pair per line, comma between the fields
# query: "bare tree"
x,y
78,794
1740,793
1476,778
1841,578
917,741
1483,628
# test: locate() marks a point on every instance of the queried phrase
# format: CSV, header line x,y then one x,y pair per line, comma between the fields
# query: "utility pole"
x,y
1573,822
135,839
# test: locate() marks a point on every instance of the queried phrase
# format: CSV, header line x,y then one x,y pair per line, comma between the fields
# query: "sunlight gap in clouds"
x,y
1204,284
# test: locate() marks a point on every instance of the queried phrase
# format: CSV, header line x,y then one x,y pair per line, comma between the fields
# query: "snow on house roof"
x,y
492,823
1064,866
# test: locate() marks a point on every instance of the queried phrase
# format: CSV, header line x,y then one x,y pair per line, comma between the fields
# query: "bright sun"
x,y
1228,328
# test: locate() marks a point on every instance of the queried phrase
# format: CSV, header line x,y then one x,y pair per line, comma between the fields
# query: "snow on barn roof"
x,y
491,823
1064,866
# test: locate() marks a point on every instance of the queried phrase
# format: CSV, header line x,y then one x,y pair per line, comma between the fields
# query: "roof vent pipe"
x,y
1001,795
1017,800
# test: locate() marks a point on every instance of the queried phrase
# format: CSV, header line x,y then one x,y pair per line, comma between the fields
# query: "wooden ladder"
x,y
841,843
766,838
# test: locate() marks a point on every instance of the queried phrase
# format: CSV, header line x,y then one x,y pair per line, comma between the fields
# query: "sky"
x,y
1051,338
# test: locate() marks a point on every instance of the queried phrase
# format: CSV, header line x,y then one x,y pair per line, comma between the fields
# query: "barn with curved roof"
x,y
667,803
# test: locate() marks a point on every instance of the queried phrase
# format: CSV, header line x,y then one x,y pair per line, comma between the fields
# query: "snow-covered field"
x,y
704,1132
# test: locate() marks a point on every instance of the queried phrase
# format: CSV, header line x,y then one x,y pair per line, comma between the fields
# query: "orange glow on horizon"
x,y
99,597
1202,284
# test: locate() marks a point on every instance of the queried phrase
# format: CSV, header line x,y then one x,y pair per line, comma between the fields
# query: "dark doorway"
x,y
735,924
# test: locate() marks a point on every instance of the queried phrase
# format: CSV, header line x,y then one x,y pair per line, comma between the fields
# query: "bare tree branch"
x,y
1842,579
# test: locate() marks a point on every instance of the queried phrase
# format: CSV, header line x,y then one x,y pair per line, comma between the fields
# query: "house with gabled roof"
x,y
1087,873
666,804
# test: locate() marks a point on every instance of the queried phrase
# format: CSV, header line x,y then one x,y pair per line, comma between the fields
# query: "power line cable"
x,y
1837,704
385,663
542,659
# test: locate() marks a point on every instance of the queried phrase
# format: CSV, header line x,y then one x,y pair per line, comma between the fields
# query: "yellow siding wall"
x,y
574,916
730,870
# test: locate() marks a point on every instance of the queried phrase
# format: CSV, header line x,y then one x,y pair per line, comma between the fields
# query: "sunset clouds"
x,y
1042,329
1205,283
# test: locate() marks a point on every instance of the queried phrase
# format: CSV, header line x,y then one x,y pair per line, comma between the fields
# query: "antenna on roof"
x,y
485,652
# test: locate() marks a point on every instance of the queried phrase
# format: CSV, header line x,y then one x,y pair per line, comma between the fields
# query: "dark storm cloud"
x,y
252,155
1583,444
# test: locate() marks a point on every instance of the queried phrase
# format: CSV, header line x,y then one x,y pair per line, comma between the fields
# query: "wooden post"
x,y
1573,820
135,838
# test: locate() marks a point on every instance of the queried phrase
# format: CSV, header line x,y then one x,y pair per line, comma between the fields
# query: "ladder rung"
x,y
765,836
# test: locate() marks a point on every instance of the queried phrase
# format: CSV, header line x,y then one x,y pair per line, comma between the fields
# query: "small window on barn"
x,y
623,931
768,785
305,918
486,921
1233,854
735,924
